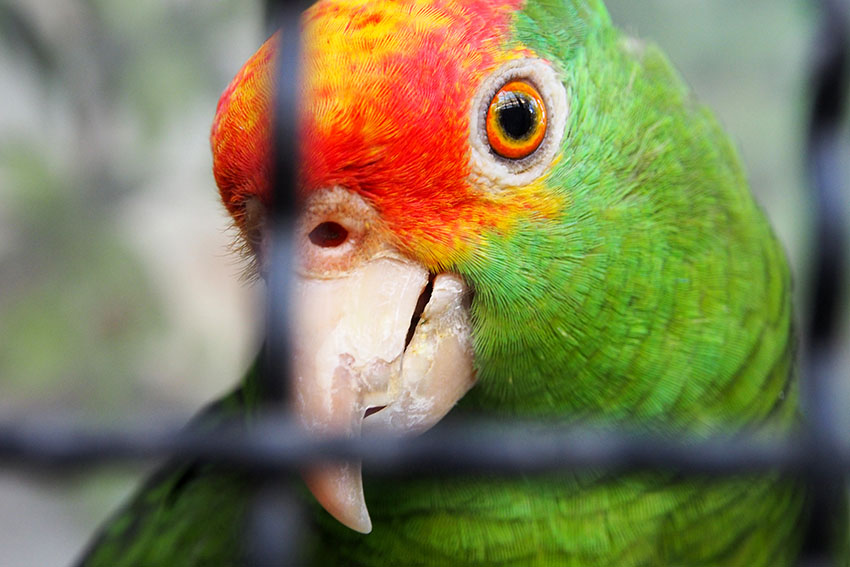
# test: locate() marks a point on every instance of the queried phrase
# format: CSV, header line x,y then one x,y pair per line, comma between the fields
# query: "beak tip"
x,y
363,524
355,517
339,490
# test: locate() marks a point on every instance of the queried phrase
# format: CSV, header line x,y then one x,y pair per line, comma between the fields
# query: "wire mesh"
x,y
276,448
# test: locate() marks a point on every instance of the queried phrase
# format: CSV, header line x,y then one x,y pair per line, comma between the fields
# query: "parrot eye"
x,y
328,235
516,120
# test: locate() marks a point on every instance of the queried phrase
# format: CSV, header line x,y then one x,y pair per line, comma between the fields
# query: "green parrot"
x,y
510,208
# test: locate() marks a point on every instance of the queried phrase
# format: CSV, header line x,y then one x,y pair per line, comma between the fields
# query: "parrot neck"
x,y
658,294
618,329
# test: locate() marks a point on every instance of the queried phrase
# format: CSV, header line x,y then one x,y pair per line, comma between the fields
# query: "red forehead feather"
x,y
386,103
240,132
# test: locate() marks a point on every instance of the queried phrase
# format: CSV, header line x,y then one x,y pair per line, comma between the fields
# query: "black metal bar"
x,y
274,514
275,445
824,166
275,528
284,201
829,84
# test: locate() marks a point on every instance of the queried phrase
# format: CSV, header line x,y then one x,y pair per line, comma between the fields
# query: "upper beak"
x,y
379,347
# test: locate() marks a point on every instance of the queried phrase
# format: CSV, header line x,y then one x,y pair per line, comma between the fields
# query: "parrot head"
x,y
424,128
502,194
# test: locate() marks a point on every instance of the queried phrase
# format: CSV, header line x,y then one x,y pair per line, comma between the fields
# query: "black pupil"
x,y
517,115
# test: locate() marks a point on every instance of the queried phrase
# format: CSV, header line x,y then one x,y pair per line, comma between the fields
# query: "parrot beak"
x,y
380,347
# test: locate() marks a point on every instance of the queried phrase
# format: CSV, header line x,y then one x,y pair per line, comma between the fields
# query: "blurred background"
x,y
118,293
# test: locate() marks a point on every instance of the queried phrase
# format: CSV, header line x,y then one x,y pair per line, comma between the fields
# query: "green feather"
x,y
188,513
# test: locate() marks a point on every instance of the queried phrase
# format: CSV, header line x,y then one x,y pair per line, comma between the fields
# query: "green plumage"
x,y
659,300
188,513
662,266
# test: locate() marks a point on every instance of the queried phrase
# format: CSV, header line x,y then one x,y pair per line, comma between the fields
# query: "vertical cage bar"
x,y
275,528
273,536
281,220
829,83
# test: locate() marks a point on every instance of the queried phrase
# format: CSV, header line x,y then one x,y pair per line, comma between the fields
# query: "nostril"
x,y
328,235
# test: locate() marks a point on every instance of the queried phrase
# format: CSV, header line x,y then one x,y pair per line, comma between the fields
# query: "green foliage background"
x,y
118,296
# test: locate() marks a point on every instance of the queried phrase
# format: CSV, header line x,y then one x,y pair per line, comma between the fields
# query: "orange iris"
x,y
516,120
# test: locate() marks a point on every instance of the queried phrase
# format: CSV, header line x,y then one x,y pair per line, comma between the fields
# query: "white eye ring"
x,y
493,171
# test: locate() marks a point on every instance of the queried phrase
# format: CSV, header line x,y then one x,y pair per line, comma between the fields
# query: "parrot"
x,y
512,209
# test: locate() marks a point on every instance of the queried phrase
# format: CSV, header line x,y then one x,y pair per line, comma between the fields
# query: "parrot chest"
x,y
594,520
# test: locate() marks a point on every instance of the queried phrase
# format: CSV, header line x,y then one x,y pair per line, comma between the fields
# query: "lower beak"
x,y
382,348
